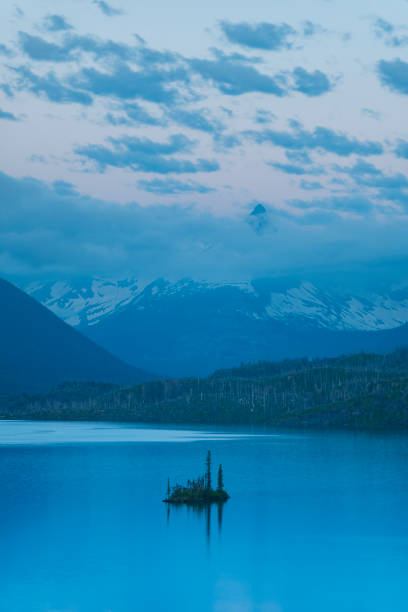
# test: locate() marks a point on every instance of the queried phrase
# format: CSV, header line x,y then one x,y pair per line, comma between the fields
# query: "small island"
x,y
199,491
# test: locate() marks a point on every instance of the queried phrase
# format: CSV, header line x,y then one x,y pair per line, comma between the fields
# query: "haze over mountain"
x,y
39,351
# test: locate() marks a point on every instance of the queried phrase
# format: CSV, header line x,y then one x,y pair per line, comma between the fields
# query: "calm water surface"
x,y
315,523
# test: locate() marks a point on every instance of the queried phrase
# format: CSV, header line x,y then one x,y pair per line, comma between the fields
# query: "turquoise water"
x,y
316,522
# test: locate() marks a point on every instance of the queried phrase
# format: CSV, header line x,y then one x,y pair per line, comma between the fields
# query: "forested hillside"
x,y
362,391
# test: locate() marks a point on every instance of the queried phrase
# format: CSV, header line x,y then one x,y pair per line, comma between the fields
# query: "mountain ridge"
x,y
39,350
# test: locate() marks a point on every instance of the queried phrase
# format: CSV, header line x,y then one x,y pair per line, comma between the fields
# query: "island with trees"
x,y
199,491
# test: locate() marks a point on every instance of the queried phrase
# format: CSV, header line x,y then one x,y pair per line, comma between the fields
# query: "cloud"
x,y
124,83
320,138
359,169
372,114
265,36
310,185
50,87
134,114
107,9
39,49
401,149
288,168
145,155
7,116
54,232
6,89
311,29
5,50
196,120
300,157
311,83
56,23
264,116
235,77
394,75
64,189
388,32
348,204
296,168
368,175
173,187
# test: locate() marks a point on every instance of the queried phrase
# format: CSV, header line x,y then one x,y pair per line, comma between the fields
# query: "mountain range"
x,y
188,327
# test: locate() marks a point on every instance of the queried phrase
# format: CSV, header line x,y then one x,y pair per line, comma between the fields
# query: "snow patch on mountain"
x,y
364,313
87,303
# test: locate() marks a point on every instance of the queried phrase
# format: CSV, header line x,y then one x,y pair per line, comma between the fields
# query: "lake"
x,y
317,522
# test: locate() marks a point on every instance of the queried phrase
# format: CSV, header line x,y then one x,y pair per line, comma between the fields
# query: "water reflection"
x,y
202,511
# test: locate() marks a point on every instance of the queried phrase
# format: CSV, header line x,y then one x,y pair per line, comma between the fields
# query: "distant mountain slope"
x,y
191,328
38,350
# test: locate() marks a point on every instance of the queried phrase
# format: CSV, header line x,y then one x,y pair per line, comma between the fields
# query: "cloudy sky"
x,y
138,137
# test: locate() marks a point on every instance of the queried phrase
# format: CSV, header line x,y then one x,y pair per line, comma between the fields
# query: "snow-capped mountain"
x,y
191,328
88,302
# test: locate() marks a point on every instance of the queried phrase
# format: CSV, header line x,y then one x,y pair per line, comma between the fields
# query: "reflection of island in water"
x,y
199,496
201,510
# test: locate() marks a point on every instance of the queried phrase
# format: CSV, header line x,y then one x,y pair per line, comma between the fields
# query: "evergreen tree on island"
x,y
199,491
208,472
220,484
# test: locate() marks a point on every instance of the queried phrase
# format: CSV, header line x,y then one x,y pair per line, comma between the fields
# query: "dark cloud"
x,y
56,23
311,83
8,116
50,87
107,9
173,187
145,155
394,75
265,36
321,138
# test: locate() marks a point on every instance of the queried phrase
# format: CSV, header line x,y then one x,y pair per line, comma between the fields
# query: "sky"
x,y
140,137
